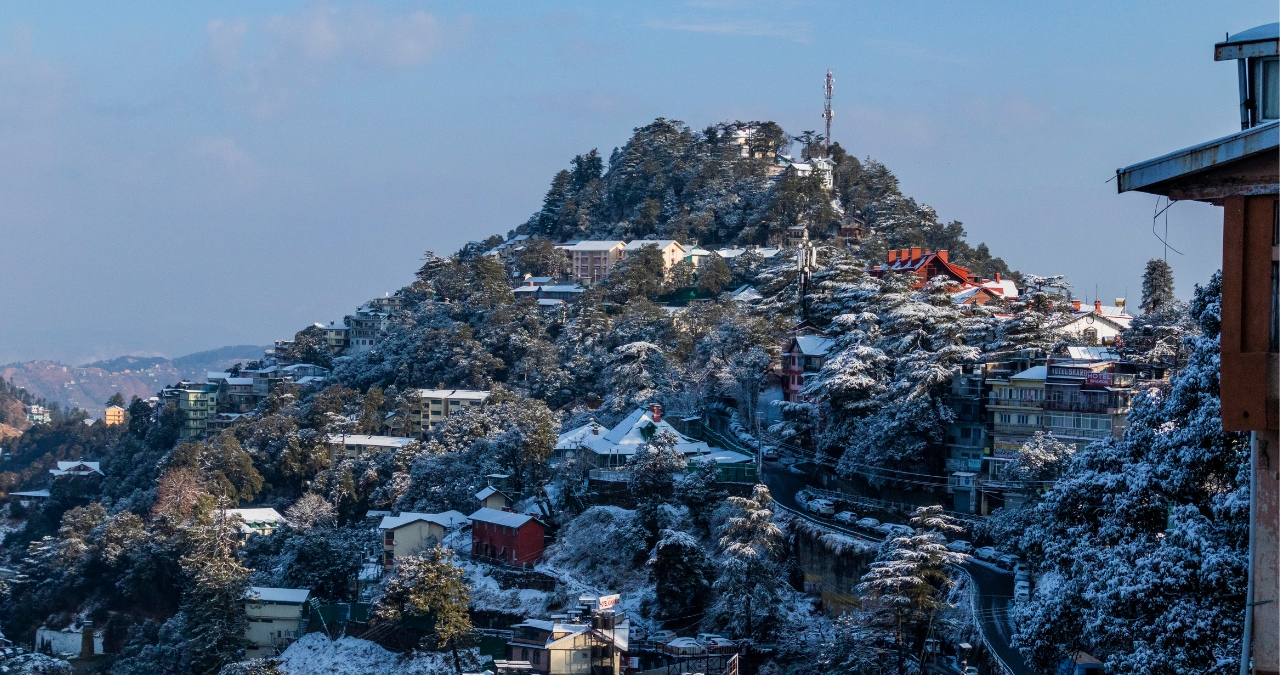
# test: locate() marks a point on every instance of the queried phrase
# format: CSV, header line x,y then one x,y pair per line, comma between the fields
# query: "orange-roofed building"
x,y
925,265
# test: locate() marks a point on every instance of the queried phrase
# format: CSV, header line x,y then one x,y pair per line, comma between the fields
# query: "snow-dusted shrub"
x,y
603,547
316,654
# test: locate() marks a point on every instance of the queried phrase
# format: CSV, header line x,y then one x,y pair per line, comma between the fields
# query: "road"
x,y
994,588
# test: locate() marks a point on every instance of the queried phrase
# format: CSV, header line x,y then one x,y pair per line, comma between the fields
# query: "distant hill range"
x,y
89,386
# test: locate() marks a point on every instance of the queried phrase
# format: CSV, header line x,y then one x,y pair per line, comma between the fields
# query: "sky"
x,y
179,176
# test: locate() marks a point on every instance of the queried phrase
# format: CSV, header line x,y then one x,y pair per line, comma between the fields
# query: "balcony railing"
x,y
1108,407
1015,402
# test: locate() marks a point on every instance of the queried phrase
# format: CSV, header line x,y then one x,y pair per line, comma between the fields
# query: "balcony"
x,y
997,402
1089,406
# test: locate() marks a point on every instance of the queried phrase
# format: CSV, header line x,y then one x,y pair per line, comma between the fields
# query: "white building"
x,y
352,446
275,619
78,468
1100,324
672,250
615,447
436,404
258,521
562,648
592,259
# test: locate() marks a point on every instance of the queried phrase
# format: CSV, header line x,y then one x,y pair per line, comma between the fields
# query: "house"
x,y
114,415
77,468
530,280
1080,663
1088,395
924,266
297,371
591,260
258,521
746,294
1017,412
616,447
493,498
732,467
353,446
513,245
221,422
37,414
365,327
797,236
78,640
436,404
506,537
672,250
31,498
802,357
337,337
1099,325
196,403
558,292
276,617
411,533
696,255
559,647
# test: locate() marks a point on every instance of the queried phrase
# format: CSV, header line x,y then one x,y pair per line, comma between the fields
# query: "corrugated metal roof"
x,y
1197,158
289,596
504,518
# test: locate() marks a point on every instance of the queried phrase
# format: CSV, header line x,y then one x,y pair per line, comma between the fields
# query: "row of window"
x,y
1009,418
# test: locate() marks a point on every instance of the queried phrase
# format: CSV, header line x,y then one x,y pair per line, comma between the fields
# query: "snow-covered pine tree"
x,y
749,586
1157,285
682,577
213,602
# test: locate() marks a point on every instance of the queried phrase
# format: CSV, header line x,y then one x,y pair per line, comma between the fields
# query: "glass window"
x,y
1269,90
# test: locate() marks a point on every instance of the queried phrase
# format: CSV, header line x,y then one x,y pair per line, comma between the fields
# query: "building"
x,y
337,337
258,521
77,468
802,357
1100,324
506,249
507,537
564,292
436,404
672,250
195,402
114,415
614,448
493,498
561,647
1016,405
591,260
365,327
37,414
411,533
79,640
31,498
354,446
1087,396
967,435
924,266
1239,173
276,617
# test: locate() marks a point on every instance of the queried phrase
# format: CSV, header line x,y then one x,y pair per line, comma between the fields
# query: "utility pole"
x,y
827,114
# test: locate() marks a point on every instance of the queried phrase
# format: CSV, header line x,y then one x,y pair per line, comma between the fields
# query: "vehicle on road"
x,y
895,530
960,546
1021,575
846,517
822,507
662,636
988,554
769,453
971,670
1021,591
868,523
1007,561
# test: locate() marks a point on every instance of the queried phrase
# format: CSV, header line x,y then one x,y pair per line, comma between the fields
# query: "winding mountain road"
x,y
994,587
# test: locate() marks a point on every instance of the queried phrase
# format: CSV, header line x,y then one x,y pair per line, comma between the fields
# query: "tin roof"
x,y
504,518
288,596
1153,175
1257,41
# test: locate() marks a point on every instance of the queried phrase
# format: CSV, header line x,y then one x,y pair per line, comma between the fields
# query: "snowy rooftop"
x,y
289,596
1092,354
1032,373
258,515
488,492
593,245
746,293
467,394
362,439
445,519
725,457
504,518
814,345
730,253
33,493
579,436
660,243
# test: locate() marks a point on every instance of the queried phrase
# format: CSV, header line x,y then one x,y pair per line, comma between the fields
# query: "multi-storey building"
x,y
436,404
672,250
195,402
592,259
802,358
1087,399
365,327
114,415
967,435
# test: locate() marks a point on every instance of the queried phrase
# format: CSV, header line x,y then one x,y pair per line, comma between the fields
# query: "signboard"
x,y
1099,379
1006,448
608,601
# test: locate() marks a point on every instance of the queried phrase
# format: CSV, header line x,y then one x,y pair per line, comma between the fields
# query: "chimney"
x,y
943,255
595,430
657,412
893,256
1075,304
915,253
997,277
927,252
1097,306
86,640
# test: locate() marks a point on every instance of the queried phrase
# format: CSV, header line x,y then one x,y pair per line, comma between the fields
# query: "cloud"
x,y
324,34
798,32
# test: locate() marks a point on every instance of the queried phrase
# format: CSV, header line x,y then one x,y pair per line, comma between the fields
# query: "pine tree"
x,y
1157,285
681,575
430,585
714,275
749,585
213,603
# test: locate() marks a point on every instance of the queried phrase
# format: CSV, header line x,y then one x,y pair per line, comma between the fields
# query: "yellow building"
x,y
672,250
410,533
275,619
114,416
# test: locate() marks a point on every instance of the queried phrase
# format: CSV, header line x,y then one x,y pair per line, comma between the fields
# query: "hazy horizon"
x,y
178,178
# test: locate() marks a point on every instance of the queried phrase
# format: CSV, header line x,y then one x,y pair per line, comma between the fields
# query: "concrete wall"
x,y
829,575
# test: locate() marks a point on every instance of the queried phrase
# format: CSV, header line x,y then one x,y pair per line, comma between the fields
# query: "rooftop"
x,y
1173,174
362,439
504,518
287,596
444,519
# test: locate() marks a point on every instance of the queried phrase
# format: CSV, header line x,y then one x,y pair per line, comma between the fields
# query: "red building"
x,y
926,265
803,356
507,537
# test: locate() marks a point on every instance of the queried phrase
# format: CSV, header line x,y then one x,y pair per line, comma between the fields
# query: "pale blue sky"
x,y
177,176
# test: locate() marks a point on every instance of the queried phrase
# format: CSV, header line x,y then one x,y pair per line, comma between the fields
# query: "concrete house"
x,y
492,498
565,648
672,250
352,446
436,404
802,357
1100,324
506,537
410,533
258,521
591,260
114,415
277,617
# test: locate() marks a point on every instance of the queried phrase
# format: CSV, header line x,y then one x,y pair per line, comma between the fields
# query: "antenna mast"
x,y
826,112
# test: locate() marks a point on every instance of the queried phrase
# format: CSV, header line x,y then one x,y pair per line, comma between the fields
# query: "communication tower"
x,y
826,112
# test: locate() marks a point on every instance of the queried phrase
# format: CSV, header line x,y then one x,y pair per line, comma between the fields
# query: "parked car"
x,y
971,670
1007,561
988,554
893,529
960,546
717,644
1021,567
662,636
822,507
846,517
1021,575
684,646
1021,591
769,453
868,523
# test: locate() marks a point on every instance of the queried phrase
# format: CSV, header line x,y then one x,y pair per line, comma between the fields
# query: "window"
x,y
1091,336
1268,91
537,657
1005,419
1023,419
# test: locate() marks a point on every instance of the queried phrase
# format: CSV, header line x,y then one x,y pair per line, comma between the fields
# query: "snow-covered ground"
x,y
315,654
